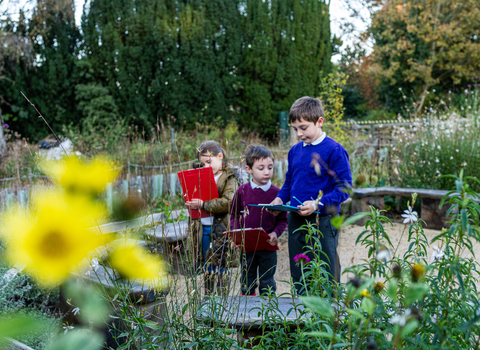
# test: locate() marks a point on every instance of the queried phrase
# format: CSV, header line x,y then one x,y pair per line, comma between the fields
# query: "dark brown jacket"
x,y
221,254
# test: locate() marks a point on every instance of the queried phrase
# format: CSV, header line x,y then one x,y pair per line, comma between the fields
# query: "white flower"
x,y
399,319
94,266
67,328
439,147
457,150
437,160
451,158
437,254
383,255
464,164
410,216
76,311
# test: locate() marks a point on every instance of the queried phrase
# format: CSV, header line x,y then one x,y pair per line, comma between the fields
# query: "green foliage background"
x,y
179,62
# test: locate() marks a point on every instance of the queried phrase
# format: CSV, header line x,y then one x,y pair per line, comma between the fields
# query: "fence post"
x,y
139,185
284,130
9,200
280,170
109,198
155,186
172,137
160,185
173,183
21,197
125,185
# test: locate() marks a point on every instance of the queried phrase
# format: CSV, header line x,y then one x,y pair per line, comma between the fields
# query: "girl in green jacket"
x,y
209,245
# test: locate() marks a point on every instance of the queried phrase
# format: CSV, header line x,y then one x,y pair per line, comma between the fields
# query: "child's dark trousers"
x,y
265,262
297,242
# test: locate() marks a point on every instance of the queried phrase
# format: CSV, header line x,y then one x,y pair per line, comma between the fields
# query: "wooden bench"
x,y
248,314
435,217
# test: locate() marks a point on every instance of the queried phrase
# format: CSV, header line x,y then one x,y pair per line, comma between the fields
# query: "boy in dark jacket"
x,y
259,263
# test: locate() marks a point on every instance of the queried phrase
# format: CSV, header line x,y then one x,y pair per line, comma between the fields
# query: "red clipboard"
x,y
198,183
251,239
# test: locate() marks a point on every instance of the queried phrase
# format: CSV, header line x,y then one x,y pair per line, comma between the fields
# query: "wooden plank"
x,y
249,312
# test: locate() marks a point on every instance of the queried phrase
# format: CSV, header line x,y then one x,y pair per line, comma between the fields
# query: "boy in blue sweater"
x,y
259,264
316,163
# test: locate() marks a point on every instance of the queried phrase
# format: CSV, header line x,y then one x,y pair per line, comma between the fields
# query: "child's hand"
x,y
307,208
233,245
276,201
273,239
194,204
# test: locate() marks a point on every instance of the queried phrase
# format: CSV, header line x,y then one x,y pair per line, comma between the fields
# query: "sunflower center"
x,y
53,245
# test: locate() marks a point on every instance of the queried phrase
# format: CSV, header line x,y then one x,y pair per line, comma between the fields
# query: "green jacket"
x,y
221,254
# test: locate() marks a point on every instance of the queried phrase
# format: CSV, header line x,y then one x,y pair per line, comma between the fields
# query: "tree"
x,y
287,51
421,44
45,72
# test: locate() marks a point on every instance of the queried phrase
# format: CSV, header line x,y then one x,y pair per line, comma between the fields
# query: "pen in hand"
x,y
298,200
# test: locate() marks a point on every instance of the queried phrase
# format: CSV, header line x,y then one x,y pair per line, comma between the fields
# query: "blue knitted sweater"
x,y
313,168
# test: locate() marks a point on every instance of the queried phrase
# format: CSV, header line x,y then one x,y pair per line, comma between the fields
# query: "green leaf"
x,y
93,307
319,306
354,218
392,290
337,221
409,328
323,335
367,305
17,325
78,340
356,313
416,291
469,324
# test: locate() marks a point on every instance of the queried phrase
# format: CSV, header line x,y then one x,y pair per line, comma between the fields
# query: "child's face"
x,y
216,162
261,171
308,131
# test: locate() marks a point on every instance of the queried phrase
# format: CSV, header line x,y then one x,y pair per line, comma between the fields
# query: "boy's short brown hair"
x,y
255,152
306,108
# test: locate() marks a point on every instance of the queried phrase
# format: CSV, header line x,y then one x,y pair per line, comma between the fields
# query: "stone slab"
x,y
249,312
109,279
398,191
169,233
129,224
12,344
434,217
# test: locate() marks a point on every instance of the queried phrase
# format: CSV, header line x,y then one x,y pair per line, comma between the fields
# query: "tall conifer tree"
x,y
287,51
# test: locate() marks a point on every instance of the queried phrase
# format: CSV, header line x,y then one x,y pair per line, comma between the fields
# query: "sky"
x,y
338,14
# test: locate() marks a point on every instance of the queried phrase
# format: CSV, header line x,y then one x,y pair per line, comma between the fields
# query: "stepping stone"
x,y
246,313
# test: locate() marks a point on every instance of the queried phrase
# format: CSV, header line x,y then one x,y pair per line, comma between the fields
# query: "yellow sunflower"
x,y
51,239
131,261
78,176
